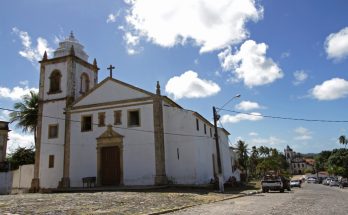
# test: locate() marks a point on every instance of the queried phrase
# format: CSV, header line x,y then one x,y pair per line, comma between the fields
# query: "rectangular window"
x,y
50,161
133,118
86,123
205,129
52,131
197,124
101,119
117,117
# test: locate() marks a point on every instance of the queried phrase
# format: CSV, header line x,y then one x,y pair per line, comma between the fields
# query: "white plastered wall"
x,y
111,91
52,114
194,165
138,146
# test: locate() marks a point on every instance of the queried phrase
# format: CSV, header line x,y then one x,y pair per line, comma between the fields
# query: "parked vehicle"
x,y
334,182
295,183
343,183
312,180
275,183
328,180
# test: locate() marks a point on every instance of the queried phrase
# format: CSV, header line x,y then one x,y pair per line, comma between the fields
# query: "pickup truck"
x,y
275,183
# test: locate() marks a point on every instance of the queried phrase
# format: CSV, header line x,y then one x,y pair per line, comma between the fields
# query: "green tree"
x,y
343,140
21,156
253,160
26,113
275,161
321,160
338,162
242,152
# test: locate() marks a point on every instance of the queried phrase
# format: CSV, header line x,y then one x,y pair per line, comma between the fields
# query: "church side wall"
x,y
138,146
188,156
52,114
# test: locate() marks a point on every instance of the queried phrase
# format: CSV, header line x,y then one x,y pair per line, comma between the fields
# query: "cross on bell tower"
x,y
110,68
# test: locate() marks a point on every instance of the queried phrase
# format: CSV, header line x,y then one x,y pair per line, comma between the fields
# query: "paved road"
x,y
311,199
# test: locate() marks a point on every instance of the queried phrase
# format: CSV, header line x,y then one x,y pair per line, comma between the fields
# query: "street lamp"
x,y
218,157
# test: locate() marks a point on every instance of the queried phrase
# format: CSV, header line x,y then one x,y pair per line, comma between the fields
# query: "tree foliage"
x,y
338,162
343,140
26,113
21,156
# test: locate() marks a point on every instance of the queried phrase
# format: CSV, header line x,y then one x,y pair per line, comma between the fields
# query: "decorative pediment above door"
x,y
109,136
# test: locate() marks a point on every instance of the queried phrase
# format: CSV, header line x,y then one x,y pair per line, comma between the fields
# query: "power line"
x,y
96,124
289,118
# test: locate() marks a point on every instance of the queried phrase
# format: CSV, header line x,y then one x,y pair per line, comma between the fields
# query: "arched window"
x,y
55,82
84,87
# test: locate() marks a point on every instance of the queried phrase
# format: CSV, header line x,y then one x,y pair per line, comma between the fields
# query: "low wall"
x,y
22,177
5,182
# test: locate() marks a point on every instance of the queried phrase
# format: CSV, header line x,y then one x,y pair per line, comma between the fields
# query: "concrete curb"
x,y
190,206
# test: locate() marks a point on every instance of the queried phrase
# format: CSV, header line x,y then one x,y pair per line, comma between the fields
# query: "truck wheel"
x,y
282,190
263,190
289,189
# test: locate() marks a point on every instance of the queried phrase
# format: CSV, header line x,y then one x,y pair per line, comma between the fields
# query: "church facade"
x,y
118,133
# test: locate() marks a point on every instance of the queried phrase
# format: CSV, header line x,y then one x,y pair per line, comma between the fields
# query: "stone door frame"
x,y
107,139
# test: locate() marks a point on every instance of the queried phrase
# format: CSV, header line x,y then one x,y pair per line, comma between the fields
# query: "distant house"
x,y
116,132
297,164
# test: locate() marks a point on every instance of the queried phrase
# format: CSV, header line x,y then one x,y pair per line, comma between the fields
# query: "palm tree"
x,y
26,113
253,160
242,152
343,140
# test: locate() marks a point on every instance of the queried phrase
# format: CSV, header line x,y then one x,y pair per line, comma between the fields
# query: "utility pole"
x,y
218,157
216,135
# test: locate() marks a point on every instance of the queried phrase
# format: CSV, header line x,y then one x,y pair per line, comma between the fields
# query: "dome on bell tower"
x,y
65,48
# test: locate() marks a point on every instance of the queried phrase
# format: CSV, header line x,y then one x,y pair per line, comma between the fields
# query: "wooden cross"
x,y
111,68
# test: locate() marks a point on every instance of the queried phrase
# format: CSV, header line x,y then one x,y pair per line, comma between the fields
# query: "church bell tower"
x,y
63,79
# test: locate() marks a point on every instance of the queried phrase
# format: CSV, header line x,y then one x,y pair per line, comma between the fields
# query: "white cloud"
x,y
132,43
335,88
17,92
19,140
33,54
241,117
300,77
250,64
111,18
336,45
247,105
188,85
253,134
303,134
211,25
272,141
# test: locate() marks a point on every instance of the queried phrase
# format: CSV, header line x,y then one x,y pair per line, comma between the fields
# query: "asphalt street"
x,y
310,199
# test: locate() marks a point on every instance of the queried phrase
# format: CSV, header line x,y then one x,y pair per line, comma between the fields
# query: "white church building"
x,y
116,132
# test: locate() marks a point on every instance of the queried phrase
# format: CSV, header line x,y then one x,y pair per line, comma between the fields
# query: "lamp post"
x,y
218,157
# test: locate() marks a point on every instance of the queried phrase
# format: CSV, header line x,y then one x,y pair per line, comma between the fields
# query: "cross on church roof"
x,y
111,68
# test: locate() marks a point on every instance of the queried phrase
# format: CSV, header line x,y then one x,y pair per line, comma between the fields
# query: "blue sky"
x,y
286,58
